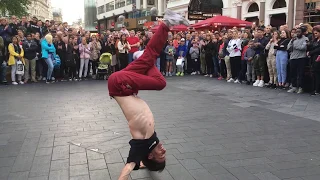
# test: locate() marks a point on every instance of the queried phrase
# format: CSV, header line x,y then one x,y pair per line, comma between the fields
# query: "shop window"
x,y
129,2
100,9
279,4
151,2
253,7
110,6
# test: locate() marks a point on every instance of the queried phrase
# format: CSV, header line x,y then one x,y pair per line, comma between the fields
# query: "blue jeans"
x,y
281,63
3,72
216,65
158,63
130,58
50,66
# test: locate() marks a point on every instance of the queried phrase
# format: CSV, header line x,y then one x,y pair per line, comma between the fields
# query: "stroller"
x,y
104,68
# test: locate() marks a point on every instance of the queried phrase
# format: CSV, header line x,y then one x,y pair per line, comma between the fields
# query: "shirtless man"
x,y
141,74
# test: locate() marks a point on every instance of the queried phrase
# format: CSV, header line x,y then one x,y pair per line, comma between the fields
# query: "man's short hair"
x,y
153,165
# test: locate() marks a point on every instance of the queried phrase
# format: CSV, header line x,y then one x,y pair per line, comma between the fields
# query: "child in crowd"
x,y
181,53
170,51
195,54
248,56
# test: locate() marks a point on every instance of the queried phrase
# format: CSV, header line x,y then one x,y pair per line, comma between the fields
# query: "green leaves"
x,y
14,7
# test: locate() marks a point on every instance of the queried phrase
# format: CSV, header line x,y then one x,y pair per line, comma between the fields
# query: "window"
x,y
150,2
100,9
129,2
253,7
120,3
110,6
279,4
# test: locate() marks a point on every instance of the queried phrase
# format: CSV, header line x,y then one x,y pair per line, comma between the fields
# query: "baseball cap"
x,y
182,39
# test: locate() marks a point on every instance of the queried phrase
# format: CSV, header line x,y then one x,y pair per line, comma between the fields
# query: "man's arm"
x,y
126,171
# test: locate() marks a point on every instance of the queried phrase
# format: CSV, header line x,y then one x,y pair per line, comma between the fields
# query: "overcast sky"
x,y
71,9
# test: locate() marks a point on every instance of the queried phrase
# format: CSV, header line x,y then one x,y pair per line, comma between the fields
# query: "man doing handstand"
x,y
141,74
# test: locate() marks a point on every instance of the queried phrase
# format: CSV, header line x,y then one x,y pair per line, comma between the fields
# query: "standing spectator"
x,y
282,58
30,49
123,48
5,32
181,54
3,63
314,53
76,56
134,44
60,46
14,25
195,61
298,48
95,54
234,49
260,58
15,54
271,59
248,57
70,66
48,52
226,54
209,48
85,52
170,52
110,48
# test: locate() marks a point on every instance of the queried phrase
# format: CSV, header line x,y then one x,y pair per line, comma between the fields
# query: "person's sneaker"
x,y
237,82
256,83
230,80
248,82
261,83
47,81
70,79
21,82
220,78
14,83
300,91
211,75
292,90
53,79
167,74
39,78
43,79
182,74
206,75
198,72
193,73
174,18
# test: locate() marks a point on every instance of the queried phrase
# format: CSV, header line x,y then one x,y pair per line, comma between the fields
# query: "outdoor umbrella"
x,y
221,21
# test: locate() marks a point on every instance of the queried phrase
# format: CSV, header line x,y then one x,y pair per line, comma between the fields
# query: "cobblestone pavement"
x,y
212,130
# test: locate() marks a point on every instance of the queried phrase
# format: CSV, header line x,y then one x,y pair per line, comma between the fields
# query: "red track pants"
x,y
142,73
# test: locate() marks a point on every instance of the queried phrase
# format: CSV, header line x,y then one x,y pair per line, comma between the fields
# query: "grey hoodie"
x,y
298,48
194,52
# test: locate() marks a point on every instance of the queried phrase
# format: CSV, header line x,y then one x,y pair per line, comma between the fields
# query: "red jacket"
x,y
244,51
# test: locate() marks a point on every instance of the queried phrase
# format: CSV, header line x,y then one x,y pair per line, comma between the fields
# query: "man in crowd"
x,y
134,43
30,49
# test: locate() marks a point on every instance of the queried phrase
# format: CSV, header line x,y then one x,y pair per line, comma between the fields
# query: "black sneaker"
x,y
248,83
48,81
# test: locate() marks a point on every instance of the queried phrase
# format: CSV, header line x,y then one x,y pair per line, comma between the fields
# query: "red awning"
x,y
221,21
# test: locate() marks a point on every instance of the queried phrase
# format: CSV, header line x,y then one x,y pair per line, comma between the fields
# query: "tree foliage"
x,y
14,7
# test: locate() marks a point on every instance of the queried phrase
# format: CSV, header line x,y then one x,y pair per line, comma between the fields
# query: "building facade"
x,y
57,15
90,15
40,9
135,12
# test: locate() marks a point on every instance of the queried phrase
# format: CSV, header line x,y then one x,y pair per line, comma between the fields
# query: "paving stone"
x,y
141,174
160,175
187,155
97,164
78,170
18,176
39,178
44,151
60,152
59,175
4,172
40,166
62,164
84,177
7,162
94,155
266,176
224,177
78,158
115,170
76,149
215,168
201,174
178,172
242,174
23,162
190,164
101,174
113,157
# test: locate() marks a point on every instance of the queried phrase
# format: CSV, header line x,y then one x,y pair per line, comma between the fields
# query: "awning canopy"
x,y
221,21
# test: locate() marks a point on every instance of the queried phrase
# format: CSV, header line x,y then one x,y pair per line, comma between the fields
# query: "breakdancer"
x,y
141,74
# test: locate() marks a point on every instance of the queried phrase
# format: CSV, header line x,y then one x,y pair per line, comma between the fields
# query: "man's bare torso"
x,y
138,115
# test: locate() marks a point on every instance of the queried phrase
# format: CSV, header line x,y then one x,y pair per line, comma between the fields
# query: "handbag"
x,y
180,62
56,62
20,68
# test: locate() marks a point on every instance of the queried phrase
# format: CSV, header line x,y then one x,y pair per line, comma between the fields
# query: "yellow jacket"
x,y
13,54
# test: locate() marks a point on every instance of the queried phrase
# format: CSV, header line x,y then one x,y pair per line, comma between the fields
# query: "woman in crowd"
x,y
16,54
123,48
60,46
209,48
271,59
48,52
234,49
110,48
314,54
282,58
70,64
95,54
85,52
76,56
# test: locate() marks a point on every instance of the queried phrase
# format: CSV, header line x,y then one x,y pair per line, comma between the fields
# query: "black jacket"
x,y
211,48
30,49
314,52
282,44
61,52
